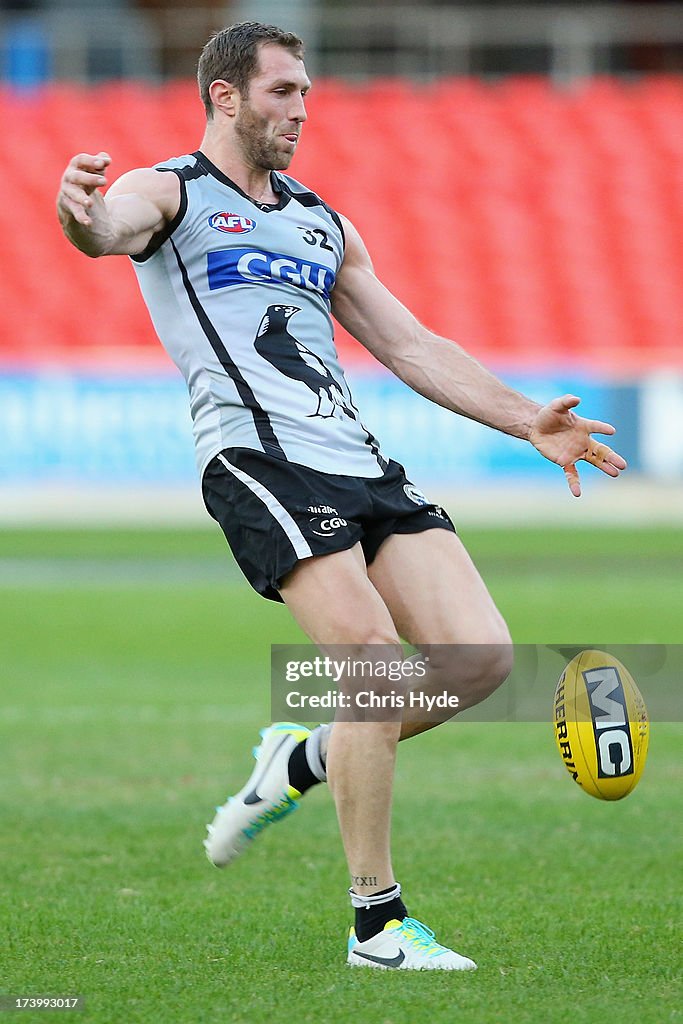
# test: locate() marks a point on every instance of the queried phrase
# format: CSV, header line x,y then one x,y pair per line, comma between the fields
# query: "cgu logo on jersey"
x,y
610,722
233,223
226,267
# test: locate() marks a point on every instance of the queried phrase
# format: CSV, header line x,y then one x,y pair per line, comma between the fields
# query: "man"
x,y
241,266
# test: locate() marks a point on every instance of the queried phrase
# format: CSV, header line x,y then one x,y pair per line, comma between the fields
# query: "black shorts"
x,y
275,513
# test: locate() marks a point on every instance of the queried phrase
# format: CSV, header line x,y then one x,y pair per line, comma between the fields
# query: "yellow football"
x,y
601,725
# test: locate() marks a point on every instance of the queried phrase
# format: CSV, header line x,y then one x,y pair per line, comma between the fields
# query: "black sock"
x,y
300,775
370,921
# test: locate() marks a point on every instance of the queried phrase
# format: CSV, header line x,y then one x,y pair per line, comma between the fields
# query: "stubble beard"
x,y
259,149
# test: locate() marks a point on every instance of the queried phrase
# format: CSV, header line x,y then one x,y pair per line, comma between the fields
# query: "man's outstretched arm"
x,y
136,207
446,374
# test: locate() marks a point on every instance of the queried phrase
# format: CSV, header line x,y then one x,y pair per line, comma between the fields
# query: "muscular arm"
x,y
136,207
435,367
446,374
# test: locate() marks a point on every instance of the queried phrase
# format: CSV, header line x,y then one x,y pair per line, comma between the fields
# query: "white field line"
x,y
628,501
110,573
132,714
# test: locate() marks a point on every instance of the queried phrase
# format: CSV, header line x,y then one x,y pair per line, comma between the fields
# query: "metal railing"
x,y
573,39
356,42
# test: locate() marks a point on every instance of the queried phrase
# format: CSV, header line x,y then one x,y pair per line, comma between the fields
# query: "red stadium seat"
x,y
541,227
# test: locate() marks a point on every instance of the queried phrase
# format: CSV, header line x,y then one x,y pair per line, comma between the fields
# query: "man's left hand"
x,y
565,438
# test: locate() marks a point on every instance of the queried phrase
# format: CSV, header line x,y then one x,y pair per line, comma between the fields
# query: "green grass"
x,y
135,670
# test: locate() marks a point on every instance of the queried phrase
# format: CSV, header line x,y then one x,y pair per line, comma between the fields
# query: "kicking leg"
x,y
335,603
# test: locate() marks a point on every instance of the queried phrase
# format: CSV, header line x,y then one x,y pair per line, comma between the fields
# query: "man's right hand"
x,y
138,205
78,188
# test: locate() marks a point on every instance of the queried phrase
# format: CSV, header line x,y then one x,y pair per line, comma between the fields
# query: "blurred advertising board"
x,y
68,427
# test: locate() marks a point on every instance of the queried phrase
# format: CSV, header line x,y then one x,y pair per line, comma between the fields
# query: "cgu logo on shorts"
x,y
226,267
233,223
326,522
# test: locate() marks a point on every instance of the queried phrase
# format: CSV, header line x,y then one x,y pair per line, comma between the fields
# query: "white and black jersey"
x,y
239,294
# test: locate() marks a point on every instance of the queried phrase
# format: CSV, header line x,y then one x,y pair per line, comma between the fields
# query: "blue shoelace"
x,y
421,936
275,813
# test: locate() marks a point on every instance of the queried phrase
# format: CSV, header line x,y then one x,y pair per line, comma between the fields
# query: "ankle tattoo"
x,y
363,880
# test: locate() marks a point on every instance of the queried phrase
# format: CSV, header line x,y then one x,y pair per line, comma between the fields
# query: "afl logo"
x,y
232,223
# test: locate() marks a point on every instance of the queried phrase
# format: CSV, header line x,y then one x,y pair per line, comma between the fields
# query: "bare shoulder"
x,y
365,307
158,187
356,269
355,251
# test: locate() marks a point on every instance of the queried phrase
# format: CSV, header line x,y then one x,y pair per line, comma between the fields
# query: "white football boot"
x,y
405,946
266,797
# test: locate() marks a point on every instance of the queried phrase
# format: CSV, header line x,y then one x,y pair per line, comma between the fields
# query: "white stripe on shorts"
x,y
278,511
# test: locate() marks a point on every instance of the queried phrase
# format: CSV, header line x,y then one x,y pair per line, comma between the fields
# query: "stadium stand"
x,y
541,226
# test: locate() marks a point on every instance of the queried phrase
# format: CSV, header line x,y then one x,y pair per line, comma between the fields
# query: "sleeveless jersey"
x,y
239,294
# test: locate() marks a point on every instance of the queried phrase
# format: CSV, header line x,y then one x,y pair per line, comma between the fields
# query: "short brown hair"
x,y
232,54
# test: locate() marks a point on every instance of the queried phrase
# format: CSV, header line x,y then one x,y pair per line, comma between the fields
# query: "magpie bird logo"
x,y
275,343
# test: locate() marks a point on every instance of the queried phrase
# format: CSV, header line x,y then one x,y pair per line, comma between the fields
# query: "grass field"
x,y
134,679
